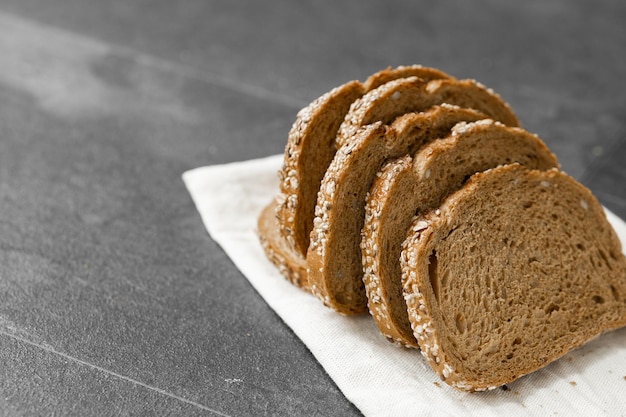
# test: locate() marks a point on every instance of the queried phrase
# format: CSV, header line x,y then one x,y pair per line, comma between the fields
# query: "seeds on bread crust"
x,y
403,71
310,148
413,94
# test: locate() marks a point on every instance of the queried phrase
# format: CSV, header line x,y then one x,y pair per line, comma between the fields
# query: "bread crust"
x,y
310,148
414,94
404,71
526,297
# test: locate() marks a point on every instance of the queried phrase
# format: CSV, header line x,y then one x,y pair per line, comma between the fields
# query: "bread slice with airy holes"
x,y
334,257
412,94
410,185
512,271
311,146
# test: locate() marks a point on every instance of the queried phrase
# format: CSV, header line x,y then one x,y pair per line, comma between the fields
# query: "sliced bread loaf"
x,y
412,94
311,146
334,257
512,271
407,186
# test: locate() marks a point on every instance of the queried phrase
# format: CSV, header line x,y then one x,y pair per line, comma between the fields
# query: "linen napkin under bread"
x,y
380,378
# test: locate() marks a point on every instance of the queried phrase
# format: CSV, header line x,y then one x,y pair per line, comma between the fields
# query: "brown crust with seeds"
x,y
413,94
390,74
334,256
406,186
550,277
311,146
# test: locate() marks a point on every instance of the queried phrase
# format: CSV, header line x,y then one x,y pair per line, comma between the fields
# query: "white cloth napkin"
x,y
380,378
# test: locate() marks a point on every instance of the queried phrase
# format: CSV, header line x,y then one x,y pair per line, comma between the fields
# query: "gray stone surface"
x,y
113,299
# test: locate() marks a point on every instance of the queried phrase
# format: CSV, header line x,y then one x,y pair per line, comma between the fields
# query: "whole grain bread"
x,y
407,186
311,146
412,94
334,258
511,272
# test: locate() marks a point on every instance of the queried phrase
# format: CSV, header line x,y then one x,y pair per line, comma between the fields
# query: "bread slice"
x,y
311,146
406,186
510,273
334,257
290,264
412,94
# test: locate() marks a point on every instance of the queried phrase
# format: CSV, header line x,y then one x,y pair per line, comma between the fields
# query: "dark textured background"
x,y
113,298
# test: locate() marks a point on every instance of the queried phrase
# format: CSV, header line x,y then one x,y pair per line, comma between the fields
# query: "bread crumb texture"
x,y
512,274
